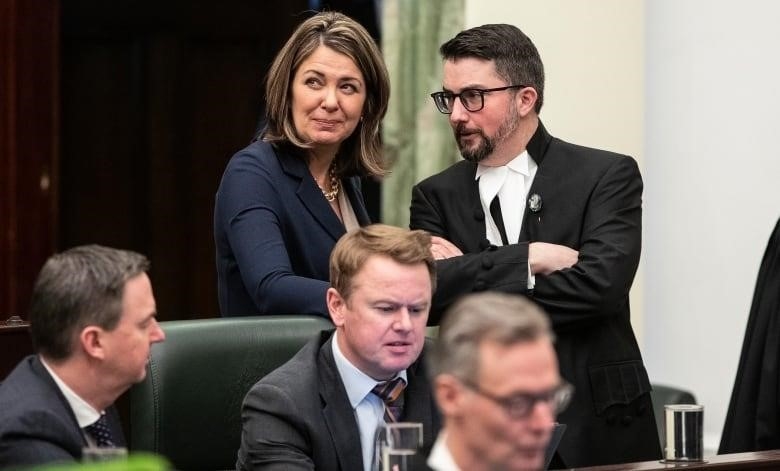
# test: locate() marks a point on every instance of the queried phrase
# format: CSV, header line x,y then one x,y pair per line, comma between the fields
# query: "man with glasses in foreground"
x,y
530,214
495,379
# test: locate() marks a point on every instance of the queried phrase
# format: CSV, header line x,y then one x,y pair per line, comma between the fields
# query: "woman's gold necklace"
x,y
335,186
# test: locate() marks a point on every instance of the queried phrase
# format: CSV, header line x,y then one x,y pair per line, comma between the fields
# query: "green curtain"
x,y
417,138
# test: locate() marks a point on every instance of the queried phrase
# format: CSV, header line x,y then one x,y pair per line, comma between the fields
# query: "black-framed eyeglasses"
x,y
520,405
473,99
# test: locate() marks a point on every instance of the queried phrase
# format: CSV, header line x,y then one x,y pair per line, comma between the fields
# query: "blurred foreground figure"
x,y
496,381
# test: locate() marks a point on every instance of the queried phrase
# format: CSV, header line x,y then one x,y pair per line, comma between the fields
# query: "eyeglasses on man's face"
x,y
473,99
520,405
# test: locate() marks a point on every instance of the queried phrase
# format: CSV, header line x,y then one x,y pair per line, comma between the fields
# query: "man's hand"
x,y
442,248
546,258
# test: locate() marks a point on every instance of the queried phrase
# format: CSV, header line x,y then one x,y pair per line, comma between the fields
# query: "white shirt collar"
x,y
357,383
511,183
519,164
85,413
441,458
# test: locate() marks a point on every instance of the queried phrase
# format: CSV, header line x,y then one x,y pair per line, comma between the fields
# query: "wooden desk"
x,y
15,344
736,461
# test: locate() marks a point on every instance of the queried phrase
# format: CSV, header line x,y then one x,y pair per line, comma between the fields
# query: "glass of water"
x,y
92,454
398,445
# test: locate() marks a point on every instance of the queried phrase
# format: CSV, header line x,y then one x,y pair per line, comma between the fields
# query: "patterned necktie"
x,y
391,393
100,432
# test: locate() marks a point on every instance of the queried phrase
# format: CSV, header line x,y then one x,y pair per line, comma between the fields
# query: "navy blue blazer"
x,y
37,424
274,232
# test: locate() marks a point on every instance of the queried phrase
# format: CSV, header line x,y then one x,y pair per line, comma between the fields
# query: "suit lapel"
x,y
352,187
537,149
43,374
337,412
421,408
310,195
474,216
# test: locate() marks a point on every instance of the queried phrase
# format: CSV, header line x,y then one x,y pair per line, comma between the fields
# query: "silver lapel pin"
x,y
535,203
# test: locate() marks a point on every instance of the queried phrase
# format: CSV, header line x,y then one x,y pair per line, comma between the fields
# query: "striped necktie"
x,y
391,393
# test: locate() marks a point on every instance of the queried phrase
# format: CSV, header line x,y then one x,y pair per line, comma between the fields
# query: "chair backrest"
x,y
188,408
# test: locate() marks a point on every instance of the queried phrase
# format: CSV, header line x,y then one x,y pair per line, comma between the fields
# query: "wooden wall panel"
x,y
156,98
29,133
116,121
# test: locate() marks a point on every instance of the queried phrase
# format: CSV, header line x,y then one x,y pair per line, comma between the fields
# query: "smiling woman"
x,y
288,197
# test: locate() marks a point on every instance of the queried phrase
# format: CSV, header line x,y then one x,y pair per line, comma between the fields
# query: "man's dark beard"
x,y
481,152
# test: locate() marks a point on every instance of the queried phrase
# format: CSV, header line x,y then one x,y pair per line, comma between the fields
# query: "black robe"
x,y
752,422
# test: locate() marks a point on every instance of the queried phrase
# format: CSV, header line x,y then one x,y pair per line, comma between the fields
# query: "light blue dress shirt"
x,y
369,409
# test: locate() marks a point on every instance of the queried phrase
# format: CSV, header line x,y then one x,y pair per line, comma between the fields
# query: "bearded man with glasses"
x,y
530,214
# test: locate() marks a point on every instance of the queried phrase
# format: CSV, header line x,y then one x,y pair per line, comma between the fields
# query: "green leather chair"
x,y
188,409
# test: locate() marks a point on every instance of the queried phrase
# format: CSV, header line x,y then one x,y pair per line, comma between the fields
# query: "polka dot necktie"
x,y
100,432
391,393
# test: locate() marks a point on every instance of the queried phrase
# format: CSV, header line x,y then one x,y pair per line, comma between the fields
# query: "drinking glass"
x,y
92,454
397,445
684,424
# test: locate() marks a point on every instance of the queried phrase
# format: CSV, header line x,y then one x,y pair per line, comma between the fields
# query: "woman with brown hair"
x,y
288,197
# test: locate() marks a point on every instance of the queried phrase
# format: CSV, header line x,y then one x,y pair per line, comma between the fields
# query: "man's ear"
x,y
526,100
449,394
336,305
91,341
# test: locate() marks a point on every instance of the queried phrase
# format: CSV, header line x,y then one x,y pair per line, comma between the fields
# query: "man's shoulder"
x,y
297,376
584,154
32,433
459,171
26,384
27,388
31,407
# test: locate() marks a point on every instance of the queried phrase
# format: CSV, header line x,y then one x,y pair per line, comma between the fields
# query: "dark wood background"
x,y
116,122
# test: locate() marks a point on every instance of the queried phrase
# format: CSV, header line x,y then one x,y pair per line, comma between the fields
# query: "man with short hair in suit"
x,y
530,214
321,410
495,379
92,320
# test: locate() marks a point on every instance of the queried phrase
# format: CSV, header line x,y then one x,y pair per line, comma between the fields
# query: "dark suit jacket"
x,y
274,232
299,416
753,419
37,424
591,202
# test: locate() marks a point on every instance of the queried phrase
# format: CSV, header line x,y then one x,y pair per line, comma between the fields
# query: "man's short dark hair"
x,y
516,58
79,287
